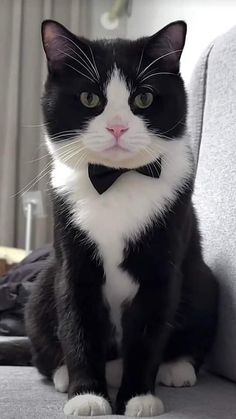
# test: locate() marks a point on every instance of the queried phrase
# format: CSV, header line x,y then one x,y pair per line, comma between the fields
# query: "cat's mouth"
x,y
116,151
117,147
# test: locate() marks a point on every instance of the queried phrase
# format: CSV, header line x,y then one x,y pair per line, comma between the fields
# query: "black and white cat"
x,y
127,277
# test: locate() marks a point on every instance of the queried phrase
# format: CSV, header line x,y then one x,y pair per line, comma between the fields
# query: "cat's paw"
x,y
61,379
144,406
180,373
87,405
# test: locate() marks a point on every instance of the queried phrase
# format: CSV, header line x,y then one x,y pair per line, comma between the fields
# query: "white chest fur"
x,y
120,214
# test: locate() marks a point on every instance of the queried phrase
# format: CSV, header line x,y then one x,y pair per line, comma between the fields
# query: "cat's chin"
x,y
122,160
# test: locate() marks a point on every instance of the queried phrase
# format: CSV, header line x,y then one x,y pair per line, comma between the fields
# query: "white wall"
x,y
206,19
95,9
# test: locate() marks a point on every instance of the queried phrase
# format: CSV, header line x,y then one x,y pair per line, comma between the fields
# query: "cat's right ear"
x,y
57,43
167,45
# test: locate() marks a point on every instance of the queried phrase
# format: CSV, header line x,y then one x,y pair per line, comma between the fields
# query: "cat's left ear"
x,y
59,43
167,45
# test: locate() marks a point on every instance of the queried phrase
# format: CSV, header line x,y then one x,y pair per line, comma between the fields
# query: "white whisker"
x,y
35,125
161,136
160,73
158,59
66,132
69,131
95,65
150,168
34,181
67,153
148,86
175,125
63,137
80,160
162,154
80,72
140,61
80,49
47,169
44,172
79,62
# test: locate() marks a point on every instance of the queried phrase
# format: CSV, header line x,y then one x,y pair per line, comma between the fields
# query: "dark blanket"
x,y
15,287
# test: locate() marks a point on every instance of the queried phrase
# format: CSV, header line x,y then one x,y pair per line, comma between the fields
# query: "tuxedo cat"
x,y
127,277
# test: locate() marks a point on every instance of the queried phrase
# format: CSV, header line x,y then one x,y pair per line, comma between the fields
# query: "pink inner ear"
x,y
168,43
175,34
55,41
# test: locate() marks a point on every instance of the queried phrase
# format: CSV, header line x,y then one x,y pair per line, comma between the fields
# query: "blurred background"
x,y
24,163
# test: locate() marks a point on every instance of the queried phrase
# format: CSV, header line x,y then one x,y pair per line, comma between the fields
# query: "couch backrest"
x,y
212,121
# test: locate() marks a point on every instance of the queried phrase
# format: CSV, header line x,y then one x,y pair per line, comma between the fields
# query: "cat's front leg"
x,y
145,332
83,332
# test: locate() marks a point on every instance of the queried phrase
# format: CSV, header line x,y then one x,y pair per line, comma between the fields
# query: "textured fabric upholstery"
x,y
212,119
26,395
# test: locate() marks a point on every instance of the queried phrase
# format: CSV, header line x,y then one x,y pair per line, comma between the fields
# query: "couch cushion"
x,y
24,394
213,119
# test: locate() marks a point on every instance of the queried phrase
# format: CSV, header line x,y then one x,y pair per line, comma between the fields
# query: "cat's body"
x,y
111,222
127,277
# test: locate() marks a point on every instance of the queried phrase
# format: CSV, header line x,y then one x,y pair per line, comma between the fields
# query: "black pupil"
x,y
143,98
89,98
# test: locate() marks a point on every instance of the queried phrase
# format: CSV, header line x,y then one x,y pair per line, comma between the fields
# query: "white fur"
x,y
61,379
87,405
114,371
128,207
117,111
94,141
119,286
144,406
123,212
180,373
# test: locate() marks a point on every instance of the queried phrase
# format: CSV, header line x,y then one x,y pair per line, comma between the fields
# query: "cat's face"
x,y
116,102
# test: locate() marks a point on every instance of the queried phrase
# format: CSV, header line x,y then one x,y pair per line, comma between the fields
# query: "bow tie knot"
x,y
103,177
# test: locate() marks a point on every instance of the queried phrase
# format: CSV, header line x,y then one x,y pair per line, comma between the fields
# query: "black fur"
x,y
174,311
174,314
64,84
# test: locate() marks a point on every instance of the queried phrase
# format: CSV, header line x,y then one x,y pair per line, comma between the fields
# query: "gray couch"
x,y
212,122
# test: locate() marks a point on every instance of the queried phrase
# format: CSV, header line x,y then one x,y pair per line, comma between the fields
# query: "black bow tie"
x,y
103,177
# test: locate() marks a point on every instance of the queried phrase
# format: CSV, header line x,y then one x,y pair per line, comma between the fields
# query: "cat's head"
x,y
113,102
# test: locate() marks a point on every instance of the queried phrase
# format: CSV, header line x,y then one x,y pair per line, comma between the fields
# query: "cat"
x,y
126,278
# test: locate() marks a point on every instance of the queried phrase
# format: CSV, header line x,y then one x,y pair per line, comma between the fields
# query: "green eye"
x,y
143,100
90,100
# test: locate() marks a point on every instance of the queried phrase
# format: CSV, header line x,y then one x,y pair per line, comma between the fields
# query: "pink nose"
x,y
117,130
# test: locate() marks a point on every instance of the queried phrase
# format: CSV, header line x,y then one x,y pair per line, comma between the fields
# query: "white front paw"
x,y
180,373
61,379
144,406
87,405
